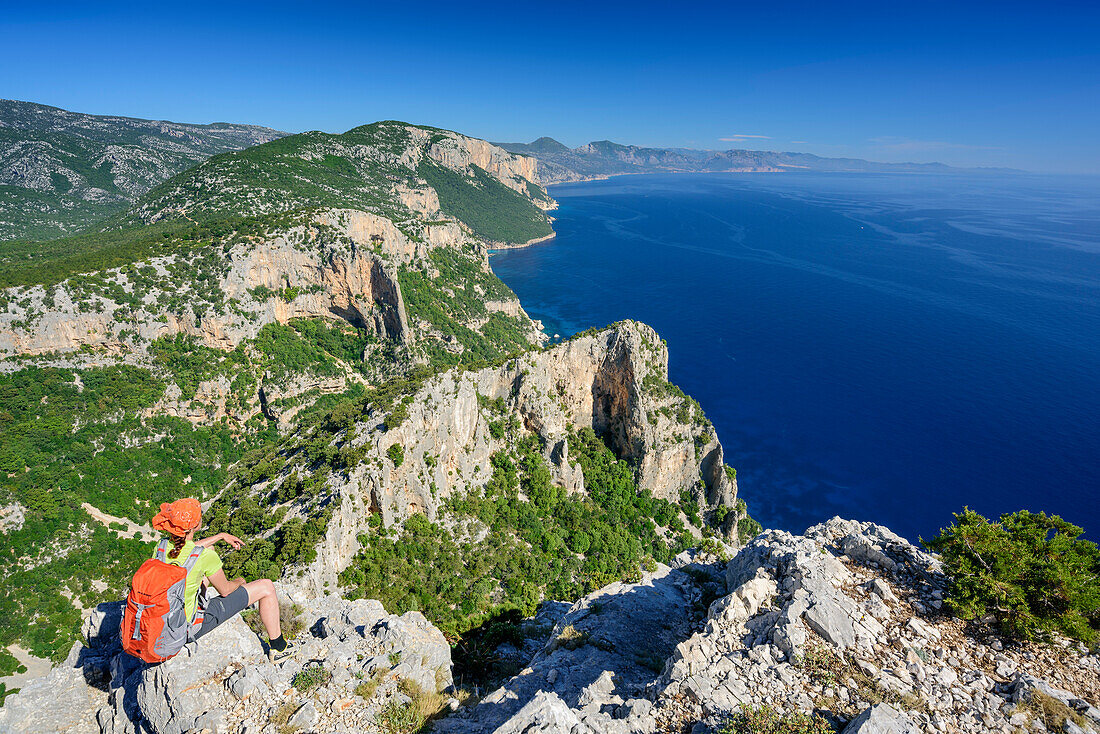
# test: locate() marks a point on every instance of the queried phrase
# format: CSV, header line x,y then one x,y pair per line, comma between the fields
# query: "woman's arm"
x,y
224,586
233,540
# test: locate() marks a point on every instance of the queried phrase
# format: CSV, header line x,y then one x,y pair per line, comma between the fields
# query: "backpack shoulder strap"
x,y
193,558
162,550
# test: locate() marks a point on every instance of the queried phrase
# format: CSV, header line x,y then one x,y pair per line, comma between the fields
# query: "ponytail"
x,y
177,545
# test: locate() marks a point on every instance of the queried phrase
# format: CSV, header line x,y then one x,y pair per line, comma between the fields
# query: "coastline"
x,y
517,245
608,176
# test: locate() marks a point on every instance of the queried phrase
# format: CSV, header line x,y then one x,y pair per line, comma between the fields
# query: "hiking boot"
x,y
280,656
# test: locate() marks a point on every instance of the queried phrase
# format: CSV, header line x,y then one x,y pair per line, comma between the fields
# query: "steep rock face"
x,y
461,152
603,381
352,275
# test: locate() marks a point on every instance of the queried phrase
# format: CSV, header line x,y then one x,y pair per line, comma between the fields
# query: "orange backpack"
x,y
155,625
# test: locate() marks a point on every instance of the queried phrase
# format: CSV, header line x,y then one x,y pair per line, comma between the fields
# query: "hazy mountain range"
x,y
604,158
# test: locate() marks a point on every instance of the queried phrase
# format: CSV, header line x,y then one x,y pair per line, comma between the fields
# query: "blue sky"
x,y
999,84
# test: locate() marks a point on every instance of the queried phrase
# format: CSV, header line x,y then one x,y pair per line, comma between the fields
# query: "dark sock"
x,y
278,644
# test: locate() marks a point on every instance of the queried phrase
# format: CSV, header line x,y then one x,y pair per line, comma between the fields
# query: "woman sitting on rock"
x,y
179,521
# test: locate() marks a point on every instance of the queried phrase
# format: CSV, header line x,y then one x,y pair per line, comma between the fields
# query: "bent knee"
x,y
260,589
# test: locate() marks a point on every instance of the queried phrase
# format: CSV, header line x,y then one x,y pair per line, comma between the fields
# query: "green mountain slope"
x,y
62,171
379,168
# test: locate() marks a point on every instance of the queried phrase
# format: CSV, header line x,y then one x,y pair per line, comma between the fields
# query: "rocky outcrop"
x,y
611,381
62,701
12,517
595,670
844,622
224,682
882,718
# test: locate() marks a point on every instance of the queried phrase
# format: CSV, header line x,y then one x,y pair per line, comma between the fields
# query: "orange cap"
x,y
179,517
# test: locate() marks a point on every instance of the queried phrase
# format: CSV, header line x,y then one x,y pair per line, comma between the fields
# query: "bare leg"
x,y
262,592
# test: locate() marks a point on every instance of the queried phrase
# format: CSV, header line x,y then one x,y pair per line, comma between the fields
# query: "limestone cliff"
x,y
342,264
460,152
614,381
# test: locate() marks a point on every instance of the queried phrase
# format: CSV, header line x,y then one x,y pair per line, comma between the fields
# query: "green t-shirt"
x,y
208,563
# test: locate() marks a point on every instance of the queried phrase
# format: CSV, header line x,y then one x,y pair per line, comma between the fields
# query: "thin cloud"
x,y
737,137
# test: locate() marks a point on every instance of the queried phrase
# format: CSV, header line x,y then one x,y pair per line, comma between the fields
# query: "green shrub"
x,y
820,663
9,664
747,529
1031,571
767,720
312,677
396,452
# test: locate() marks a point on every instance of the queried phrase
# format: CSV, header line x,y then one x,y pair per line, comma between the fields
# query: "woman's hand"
x,y
232,540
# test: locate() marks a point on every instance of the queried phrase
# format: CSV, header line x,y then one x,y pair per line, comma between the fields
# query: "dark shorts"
x,y
222,608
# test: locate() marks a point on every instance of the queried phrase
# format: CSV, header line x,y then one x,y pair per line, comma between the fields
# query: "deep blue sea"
x,y
884,347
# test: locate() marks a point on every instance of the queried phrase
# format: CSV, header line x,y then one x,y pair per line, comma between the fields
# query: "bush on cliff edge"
x,y
1031,571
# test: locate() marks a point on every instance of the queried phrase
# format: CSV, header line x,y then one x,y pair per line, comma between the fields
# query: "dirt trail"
x,y
144,532
36,667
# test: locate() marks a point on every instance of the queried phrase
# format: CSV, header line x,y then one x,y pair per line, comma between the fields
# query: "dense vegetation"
x,y
1032,572
538,542
485,205
455,297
